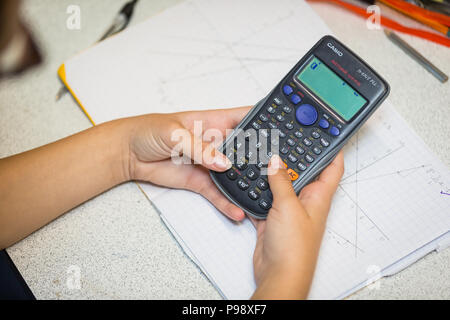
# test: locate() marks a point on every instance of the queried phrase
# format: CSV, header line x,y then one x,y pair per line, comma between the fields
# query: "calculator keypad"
x,y
305,132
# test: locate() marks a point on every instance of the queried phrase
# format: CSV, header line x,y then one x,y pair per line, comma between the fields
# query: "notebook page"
x,y
389,202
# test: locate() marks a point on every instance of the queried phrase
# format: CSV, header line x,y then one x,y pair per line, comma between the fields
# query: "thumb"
x,y
279,180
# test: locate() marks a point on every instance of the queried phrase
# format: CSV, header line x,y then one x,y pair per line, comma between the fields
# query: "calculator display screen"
x,y
331,89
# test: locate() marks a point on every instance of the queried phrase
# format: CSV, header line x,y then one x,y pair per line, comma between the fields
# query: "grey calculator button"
x,y
272,125
317,150
277,101
301,166
252,174
280,118
263,117
298,134
307,142
324,142
290,142
315,135
292,158
265,204
284,150
256,125
287,109
289,126
300,150
309,158
271,110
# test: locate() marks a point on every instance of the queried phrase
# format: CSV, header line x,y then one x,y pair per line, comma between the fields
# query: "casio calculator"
x,y
306,119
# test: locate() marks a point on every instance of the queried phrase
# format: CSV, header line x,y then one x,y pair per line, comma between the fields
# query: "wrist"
x,y
117,148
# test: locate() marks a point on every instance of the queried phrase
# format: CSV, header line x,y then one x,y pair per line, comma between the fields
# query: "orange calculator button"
x,y
292,174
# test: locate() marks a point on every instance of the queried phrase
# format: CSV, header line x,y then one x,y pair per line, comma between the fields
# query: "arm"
x,y
39,185
289,240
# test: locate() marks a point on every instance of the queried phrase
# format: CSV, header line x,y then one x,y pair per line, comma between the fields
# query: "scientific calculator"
x,y
306,119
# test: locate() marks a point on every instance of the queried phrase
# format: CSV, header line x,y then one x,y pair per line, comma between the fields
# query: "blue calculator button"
x,y
334,131
287,90
324,124
306,114
295,99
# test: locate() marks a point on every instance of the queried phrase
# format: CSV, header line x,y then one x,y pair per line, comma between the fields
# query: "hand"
x,y
289,240
155,137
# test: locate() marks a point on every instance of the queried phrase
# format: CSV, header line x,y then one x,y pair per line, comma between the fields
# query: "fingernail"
x,y
222,162
276,162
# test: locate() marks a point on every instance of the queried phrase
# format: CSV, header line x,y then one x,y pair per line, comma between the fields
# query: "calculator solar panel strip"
x,y
317,108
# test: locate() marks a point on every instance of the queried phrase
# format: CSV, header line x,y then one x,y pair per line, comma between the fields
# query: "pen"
x,y
120,22
442,77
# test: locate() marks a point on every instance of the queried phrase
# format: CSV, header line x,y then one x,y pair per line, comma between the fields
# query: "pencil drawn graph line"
x,y
398,172
365,214
372,163
345,239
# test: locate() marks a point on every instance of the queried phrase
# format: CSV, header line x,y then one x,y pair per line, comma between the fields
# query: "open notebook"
x,y
388,211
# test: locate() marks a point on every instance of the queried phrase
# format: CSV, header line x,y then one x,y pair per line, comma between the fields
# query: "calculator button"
x,y
256,125
264,133
307,142
308,158
290,142
280,118
248,134
271,110
249,155
263,117
252,174
334,131
298,134
287,90
287,109
232,175
272,125
277,101
295,99
317,150
262,184
242,184
306,114
241,165
324,142
300,150
260,164
252,194
284,150
292,158
289,126
315,135
292,174
265,204
301,166
324,124
282,135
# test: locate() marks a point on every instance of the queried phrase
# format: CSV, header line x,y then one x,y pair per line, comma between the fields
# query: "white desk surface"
x,y
117,240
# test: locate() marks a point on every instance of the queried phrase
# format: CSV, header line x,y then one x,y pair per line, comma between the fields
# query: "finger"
x,y
201,152
221,119
213,195
317,196
332,175
279,181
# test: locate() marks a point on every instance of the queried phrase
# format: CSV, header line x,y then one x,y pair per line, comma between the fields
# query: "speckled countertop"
x,y
116,244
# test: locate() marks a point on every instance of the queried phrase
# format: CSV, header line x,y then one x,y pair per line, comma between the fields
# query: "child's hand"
x,y
289,240
154,138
